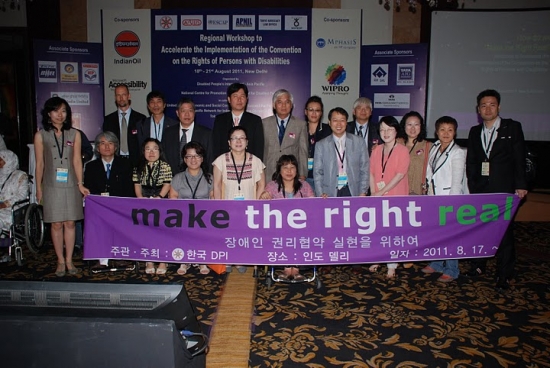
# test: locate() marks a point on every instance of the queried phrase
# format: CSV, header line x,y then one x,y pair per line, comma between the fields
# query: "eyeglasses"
x,y
151,149
389,130
314,110
233,139
192,157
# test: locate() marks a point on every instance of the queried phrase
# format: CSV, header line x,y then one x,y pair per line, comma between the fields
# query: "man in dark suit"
x,y
284,134
495,163
124,116
108,175
362,111
176,136
155,125
237,98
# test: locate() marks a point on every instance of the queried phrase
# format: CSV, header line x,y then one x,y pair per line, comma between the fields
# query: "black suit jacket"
x,y
120,181
111,124
506,160
144,128
171,145
374,135
254,132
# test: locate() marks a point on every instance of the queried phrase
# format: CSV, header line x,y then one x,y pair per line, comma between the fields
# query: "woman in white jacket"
x,y
445,176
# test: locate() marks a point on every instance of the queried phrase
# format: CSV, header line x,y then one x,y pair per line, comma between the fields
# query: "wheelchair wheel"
x,y
34,227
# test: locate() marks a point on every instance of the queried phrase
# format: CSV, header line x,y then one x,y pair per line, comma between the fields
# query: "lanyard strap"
x,y
239,177
61,149
340,156
153,179
436,158
389,155
193,191
157,131
487,146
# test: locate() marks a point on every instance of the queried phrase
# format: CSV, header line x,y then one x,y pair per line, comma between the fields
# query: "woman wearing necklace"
x,y
59,179
238,174
152,179
389,164
445,176
286,185
415,130
194,183
315,131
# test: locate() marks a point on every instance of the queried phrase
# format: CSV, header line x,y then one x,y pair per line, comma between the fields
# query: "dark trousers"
x,y
344,192
506,256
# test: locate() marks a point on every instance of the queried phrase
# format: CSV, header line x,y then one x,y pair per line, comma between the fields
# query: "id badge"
x,y
485,168
105,194
380,185
62,175
310,163
342,179
239,197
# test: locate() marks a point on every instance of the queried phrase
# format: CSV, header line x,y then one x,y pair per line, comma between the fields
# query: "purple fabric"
x,y
299,232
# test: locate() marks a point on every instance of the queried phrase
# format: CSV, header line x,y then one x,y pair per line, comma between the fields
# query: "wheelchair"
x,y
27,227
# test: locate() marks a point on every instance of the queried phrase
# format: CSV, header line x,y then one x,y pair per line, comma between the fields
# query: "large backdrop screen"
x,y
504,50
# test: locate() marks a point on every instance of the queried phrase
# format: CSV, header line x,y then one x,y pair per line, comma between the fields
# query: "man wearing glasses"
x,y
177,136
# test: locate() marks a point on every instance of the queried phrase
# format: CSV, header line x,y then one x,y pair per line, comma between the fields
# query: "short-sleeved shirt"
x,y
273,188
398,163
186,184
252,173
155,175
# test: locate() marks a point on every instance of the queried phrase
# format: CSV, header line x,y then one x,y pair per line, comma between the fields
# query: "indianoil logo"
x,y
127,44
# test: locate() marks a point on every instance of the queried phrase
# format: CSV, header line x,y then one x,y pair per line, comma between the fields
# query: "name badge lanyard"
x,y
488,146
157,131
389,155
239,177
360,132
61,149
194,191
341,157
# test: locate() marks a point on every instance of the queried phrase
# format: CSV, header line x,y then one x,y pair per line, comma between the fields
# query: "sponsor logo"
x,y
379,74
392,100
335,76
269,22
132,85
338,43
244,22
127,44
47,72
74,98
194,22
320,43
217,22
166,22
405,75
69,72
295,23
90,73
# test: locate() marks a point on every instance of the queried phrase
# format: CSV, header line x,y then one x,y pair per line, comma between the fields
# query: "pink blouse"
x,y
305,191
397,163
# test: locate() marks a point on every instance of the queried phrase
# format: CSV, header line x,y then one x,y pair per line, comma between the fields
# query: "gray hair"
x,y
109,137
281,92
362,101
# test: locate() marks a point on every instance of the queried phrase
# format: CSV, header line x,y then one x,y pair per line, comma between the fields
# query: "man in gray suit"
x,y
284,134
341,166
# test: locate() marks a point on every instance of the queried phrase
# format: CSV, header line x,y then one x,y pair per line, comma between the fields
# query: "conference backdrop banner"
x,y
198,53
336,54
73,71
394,78
127,55
304,231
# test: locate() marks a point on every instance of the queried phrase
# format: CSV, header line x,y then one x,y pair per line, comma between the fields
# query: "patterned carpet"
x,y
413,321
203,290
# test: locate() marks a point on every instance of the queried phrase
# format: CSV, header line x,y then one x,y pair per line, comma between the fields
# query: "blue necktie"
x,y
281,131
108,171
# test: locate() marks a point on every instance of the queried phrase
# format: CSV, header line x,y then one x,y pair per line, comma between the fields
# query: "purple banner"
x,y
299,232
73,71
198,53
394,78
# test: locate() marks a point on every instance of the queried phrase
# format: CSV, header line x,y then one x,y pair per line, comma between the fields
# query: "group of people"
x,y
280,156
